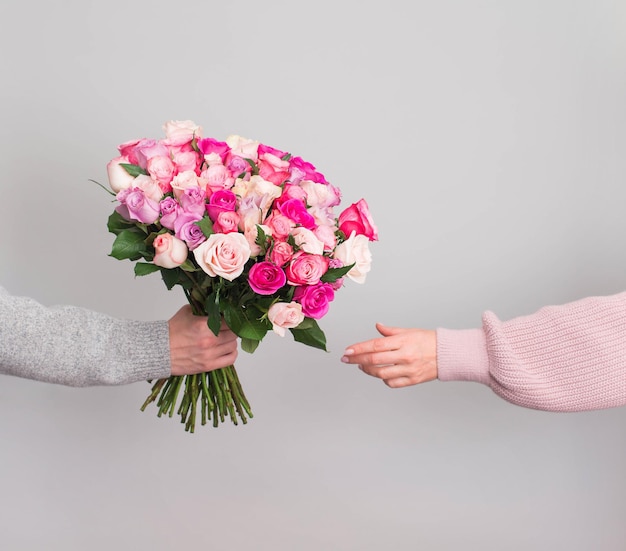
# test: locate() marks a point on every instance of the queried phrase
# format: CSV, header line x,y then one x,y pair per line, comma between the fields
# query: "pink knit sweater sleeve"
x,y
562,358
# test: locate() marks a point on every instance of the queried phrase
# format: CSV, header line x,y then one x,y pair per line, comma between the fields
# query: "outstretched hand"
x,y
401,357
193,346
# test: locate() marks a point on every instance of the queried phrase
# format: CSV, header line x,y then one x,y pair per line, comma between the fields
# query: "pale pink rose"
x,y
227,222
185,180
355,250
321,195
119,179
149,186
280,253
243,147
170,252
187,160
357,218
326,234
283,315
251,232
223,255
162,169
306,269
323,216
264,193
218,177
180,132
307,241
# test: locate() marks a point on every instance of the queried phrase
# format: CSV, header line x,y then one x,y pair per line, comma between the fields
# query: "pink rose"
x,y
326,234
136,206
187,160
273,169
186,179
356,218
222,200
280,253
280,225
170,252
291,191
218,177
315,299
181,132
285,315
266,278
127,149
263,149
119,179
223,254
162,169
227,221
306,269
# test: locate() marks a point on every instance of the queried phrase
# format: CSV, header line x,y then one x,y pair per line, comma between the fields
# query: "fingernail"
x,y
348,351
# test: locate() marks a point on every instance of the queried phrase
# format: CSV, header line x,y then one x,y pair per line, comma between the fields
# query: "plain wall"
x,y
489,139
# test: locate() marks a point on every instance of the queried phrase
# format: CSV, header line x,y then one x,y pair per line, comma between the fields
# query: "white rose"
x,y
355,250
243,147
119,179
285,315
307,241
181,132
320,195
223,254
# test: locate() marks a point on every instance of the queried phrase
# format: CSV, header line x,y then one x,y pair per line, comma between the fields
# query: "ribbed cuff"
x,y
462,356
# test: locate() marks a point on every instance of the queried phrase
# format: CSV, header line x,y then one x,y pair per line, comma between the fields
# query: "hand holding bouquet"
x,y
249,233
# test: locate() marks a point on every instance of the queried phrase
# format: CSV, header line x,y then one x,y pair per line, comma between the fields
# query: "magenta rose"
x,y
222,200
306,269
356,218
295,210
265,278
262,149
135,205
208,146
303,170
315,299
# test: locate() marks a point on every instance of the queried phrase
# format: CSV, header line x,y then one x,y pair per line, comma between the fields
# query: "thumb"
x,y
387,331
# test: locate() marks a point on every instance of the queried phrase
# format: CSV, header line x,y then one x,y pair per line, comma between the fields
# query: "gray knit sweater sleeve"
x,y
78,347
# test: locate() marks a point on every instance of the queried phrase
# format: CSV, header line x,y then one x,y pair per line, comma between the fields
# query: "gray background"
x,y
488,138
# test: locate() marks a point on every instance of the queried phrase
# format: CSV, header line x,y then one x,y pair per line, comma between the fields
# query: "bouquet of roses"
x,y
248,232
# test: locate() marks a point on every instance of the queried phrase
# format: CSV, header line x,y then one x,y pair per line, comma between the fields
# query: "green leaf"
x,y
188,266
103,187
249,345
133,170
212,309
117,223
255,169
129,244
261,239
206,226
145,268
245,321
333,274
311,336
170,277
